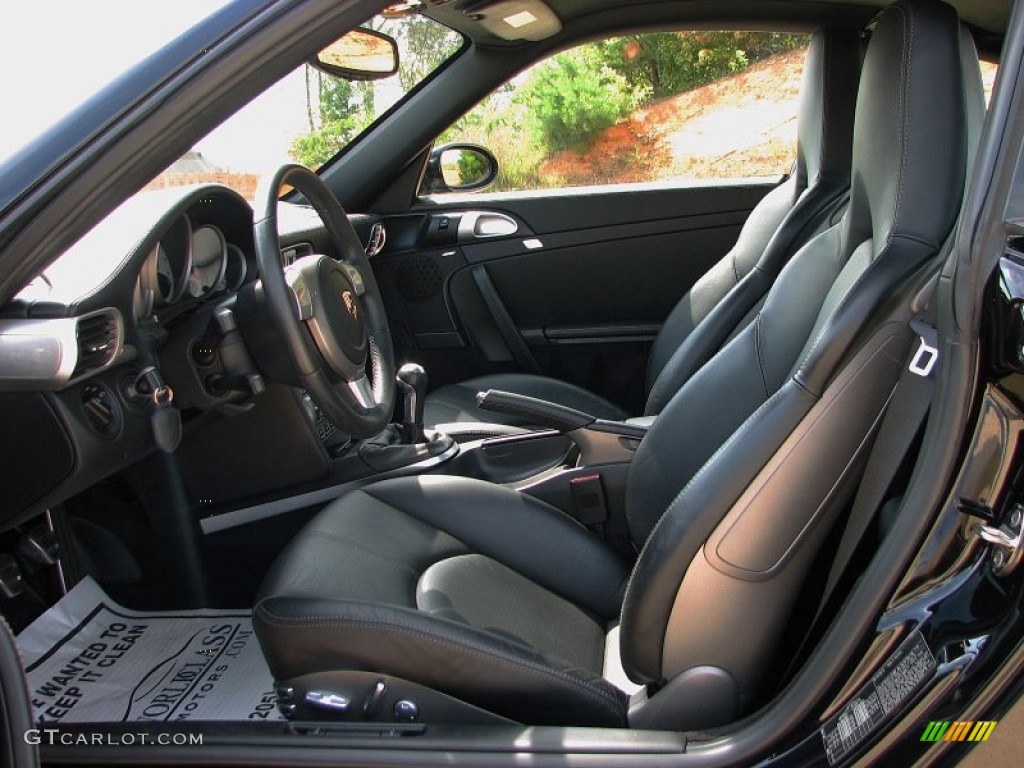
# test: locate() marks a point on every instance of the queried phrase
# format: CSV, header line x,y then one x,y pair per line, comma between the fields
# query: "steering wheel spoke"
x,y
362,392
356,278
299,287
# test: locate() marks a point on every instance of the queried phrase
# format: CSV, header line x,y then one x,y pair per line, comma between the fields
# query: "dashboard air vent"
x,y
99,340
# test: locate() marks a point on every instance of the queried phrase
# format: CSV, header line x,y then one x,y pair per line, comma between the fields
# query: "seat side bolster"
x,y
706,339
694,309
689,520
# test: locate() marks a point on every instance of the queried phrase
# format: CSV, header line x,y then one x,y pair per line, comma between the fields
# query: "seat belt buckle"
x,y
923,361
588,496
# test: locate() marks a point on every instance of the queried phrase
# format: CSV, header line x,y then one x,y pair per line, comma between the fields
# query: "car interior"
x,y
549,458
726,297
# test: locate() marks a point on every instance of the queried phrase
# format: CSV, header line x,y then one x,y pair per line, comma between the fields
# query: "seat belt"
x,y
904,414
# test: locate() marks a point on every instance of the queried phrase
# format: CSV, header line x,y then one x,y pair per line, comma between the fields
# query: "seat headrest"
x,y
828,96
906,182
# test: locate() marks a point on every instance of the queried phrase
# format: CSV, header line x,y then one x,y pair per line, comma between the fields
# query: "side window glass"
x,y
674,107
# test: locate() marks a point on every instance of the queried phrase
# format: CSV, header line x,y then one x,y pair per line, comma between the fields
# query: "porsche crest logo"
x,y
350,304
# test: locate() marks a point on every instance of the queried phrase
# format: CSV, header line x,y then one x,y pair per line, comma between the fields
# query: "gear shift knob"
x,y
412,380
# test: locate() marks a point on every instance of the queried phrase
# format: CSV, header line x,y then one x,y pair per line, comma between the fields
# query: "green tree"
x,y
472,167
343,110
574,96
424,45
566,101
666,63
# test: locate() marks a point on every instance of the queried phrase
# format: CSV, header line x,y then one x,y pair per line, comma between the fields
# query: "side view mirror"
x,y
361,54
459,168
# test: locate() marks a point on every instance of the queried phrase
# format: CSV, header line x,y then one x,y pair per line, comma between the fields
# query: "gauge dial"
x,y
164,274
209,258
172,262
166,281
239,268
146,288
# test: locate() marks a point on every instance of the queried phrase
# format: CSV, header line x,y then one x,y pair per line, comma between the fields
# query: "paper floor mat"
x,y
88,659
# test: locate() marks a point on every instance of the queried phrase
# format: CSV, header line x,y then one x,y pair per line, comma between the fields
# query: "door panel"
x,y
578,292
633,281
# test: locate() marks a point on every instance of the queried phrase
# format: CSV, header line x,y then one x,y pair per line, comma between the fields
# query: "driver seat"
x,y
469,594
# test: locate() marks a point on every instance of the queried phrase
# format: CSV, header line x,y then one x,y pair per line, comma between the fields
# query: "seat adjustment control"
x,y
375,701
406,711
326,700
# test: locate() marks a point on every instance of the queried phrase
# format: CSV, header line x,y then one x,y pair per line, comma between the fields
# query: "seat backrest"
x,y
739,479
781,222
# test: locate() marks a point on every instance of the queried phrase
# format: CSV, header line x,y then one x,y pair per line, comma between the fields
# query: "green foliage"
x,y
342,107
317,147
666,63
567,101
574,96
497,123
472,167
424,46
340,98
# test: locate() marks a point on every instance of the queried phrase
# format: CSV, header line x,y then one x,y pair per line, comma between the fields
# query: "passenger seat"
x,y
722,302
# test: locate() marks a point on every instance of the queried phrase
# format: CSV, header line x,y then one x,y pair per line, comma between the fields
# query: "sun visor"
x,y
515,19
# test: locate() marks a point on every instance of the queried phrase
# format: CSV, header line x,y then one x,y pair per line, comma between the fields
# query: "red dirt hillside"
x,y
742,125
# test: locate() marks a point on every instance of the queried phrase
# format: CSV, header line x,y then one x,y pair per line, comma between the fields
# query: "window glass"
x,y
308,116
679,106
74,51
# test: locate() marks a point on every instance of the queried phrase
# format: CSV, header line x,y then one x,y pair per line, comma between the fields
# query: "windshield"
x,y
39,89
308,116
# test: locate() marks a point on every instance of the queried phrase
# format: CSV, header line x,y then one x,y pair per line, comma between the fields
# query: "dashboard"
x,y
127,310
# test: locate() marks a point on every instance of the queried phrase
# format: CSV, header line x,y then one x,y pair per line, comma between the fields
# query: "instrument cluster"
x,y
191,261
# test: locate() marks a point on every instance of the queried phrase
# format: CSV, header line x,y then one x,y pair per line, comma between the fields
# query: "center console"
x,y
575,461
572,460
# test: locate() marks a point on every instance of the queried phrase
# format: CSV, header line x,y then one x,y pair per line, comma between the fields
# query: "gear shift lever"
x,y
412,380
405,445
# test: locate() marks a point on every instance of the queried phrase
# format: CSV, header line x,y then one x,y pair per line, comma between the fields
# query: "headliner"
x,y
589,17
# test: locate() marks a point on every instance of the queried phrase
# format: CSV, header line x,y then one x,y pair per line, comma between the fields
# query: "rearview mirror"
x,y
362,54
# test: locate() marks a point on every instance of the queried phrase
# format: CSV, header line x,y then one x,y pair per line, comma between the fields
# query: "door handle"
x,y
477,225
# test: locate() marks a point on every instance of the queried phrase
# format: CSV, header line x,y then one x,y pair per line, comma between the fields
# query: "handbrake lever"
x,y
599,441
534,410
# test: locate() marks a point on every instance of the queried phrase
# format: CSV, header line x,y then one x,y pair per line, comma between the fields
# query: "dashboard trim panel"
x,y
246,515
42,354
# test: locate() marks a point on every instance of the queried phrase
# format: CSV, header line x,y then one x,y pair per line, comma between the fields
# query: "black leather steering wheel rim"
x,y
324,346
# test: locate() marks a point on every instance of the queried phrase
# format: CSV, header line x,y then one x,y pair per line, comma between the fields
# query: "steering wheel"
x,y
329,313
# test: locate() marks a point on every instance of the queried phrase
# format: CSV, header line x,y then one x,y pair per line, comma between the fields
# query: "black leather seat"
x,y
724,299
502,602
